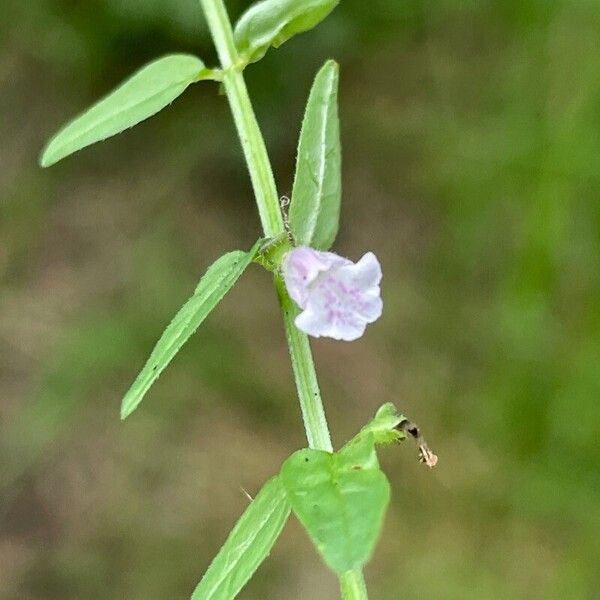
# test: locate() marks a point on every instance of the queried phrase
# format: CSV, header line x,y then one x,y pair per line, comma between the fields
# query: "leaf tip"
x,y
125,410
330,71
45,159
331,65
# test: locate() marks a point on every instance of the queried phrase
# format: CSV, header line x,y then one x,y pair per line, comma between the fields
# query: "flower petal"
x,y
370,308
364,274
339,297
302,265
317,324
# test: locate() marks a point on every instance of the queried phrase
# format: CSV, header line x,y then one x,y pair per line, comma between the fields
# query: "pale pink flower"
x,y
337,297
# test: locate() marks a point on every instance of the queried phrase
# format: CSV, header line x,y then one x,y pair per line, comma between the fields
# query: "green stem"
x,y
267,200
352,585
305,375
249,133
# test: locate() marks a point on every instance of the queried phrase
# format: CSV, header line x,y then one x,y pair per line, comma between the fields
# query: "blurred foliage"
x,y
471,167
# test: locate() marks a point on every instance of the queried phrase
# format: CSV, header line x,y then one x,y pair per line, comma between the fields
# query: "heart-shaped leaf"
x,y
340,499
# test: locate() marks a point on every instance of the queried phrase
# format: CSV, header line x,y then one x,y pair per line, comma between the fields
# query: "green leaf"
x,y
218,280
317,191
273,22
383,426
248,544
340,499
144,94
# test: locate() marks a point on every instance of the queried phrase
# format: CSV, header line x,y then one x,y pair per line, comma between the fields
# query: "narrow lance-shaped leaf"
x,y
316,195
142,95
273,22
217,281
340,499
247,546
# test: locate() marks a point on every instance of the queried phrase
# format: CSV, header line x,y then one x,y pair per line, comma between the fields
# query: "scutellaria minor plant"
x,y
339,497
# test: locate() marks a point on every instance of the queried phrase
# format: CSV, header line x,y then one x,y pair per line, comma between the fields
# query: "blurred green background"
x,y
471,136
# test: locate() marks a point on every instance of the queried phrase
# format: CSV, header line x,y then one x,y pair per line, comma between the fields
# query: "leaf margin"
x,y
291,22
316,197
360,456
67,140
180,325
282,517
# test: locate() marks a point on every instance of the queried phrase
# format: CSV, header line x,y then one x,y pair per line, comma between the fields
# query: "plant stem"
x,y
249,133
317,433
267,200
352,585
305,375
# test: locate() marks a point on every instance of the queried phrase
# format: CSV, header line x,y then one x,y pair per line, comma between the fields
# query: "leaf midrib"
x,y
231,566
102,121
322,156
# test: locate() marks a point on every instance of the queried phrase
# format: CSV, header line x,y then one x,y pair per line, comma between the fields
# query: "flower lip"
x,y
338,297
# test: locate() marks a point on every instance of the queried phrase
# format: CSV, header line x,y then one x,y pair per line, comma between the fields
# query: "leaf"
x,y
340,499
273,22
218,280
142,95
248,544
316,195
383,426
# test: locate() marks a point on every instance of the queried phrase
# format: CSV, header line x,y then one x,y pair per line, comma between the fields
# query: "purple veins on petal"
x,y
338,297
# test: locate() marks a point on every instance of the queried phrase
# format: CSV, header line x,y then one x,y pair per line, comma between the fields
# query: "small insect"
x,y
426,456
284,205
